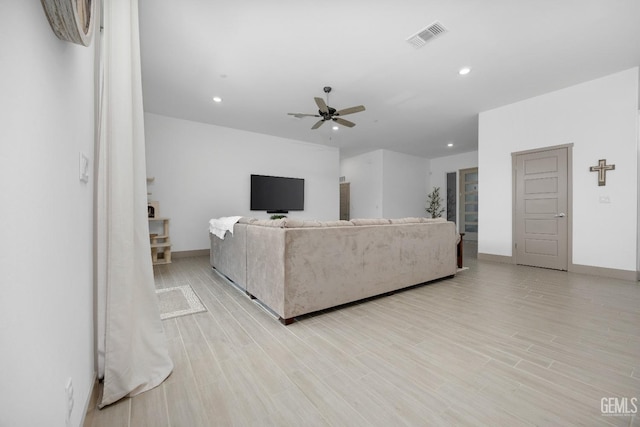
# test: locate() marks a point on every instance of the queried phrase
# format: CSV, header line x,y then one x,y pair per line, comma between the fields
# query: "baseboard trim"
x,y
92,403
612,273
495,258
187,254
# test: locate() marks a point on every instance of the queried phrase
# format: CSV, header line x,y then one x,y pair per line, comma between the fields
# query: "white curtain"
x,y
132,350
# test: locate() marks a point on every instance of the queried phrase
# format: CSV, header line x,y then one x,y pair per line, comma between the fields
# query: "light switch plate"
x,y
84,168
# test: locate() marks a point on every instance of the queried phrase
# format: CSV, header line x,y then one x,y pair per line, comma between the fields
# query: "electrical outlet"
x,y
68,388
604,199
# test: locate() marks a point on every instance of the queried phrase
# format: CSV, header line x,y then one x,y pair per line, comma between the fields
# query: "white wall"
x,y
364,175
203,171
600,118
443,165
46,256
404,185
386,184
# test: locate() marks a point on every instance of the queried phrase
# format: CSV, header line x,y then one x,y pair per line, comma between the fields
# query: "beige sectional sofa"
x,y
297,267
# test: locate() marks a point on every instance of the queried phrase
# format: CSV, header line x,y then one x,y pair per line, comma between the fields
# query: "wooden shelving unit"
x,y
160,242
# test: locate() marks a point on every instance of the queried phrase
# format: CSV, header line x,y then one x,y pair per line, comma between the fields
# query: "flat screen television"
x,y
276,194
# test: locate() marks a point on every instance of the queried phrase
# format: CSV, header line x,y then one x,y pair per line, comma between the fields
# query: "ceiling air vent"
x,y
423,36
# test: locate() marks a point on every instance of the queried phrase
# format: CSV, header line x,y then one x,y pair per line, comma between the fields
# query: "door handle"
x,y
560,215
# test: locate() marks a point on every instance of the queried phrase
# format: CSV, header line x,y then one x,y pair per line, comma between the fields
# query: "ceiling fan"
x,y
330,113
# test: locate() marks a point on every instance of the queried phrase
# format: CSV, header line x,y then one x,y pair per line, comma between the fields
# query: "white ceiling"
x,y
269,58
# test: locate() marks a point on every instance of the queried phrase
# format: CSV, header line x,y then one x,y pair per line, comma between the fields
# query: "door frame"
x,y
514,155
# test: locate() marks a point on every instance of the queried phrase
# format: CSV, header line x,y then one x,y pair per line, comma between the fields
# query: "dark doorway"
x,y
452,192
345,201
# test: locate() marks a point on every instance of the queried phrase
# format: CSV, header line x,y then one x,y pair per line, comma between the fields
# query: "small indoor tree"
x,y
434,203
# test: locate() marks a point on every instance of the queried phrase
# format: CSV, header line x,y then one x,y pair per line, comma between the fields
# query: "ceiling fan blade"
x,y
350,110
344,122
321,105
318,124
300,115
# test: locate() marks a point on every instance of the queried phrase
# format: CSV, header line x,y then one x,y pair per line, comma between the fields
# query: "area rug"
x,y
178,301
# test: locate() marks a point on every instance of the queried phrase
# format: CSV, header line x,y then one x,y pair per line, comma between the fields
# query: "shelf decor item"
x,y
153,209
160,241
71,20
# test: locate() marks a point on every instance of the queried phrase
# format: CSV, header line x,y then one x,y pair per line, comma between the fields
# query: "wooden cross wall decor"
x,y
602,169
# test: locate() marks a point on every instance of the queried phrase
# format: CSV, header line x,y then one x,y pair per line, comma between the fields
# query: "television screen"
x,y
276,194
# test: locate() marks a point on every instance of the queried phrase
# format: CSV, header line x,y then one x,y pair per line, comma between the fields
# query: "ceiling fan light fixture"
x,y
326,113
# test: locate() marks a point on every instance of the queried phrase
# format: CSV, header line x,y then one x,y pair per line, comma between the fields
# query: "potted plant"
x,y
434,203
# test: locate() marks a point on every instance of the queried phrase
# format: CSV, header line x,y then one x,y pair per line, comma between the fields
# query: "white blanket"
x,y
220,226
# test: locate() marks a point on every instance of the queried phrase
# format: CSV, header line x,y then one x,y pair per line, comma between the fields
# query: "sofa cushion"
x,y
415,220
275,223
338,223
410,220
299,223
370,221
434,220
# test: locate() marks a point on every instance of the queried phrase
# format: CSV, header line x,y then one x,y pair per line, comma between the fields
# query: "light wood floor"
x,y
497,345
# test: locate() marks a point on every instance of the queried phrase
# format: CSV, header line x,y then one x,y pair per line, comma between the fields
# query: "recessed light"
x,y
464,71
450,144
335,128
217,99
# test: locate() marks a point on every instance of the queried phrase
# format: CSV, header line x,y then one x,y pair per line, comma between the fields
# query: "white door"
x,y
469,203
541,230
